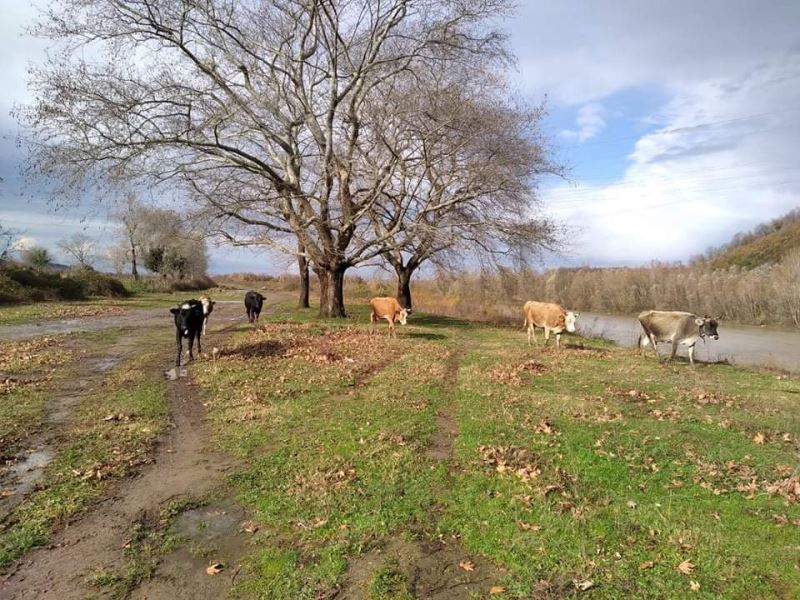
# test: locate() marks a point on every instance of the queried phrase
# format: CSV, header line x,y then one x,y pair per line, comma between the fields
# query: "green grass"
x,y
589,464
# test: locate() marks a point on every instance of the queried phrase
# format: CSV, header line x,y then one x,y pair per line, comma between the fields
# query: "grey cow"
x,y
675,327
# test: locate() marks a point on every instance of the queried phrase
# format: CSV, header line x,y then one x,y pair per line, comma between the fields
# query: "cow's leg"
x,y
691,355
655,346
372,323
391,326
546,335
558,340
205,324
674,349
199,349
532,334
179,343
191,343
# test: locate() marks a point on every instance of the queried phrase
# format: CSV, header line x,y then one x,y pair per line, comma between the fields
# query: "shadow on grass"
x,y
426,336
260,349
429,320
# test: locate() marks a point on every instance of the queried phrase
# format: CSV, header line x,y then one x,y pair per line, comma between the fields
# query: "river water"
x,y
739,344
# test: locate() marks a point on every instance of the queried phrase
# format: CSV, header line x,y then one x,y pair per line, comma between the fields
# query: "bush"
x,y
24,284
98,284
202,282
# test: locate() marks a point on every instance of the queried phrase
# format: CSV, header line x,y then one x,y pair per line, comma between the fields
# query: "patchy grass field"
x,y
457,455
44,311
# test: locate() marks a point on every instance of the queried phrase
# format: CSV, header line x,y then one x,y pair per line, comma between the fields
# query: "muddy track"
x,y
34,453
441,446
185,467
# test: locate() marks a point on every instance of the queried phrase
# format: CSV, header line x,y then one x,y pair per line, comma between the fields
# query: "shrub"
x,y
98,284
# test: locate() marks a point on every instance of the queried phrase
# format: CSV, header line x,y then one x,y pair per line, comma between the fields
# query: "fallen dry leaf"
x,y
248,527
496,589
215,568
759,438
467,565
647,565
686,567
582,586
694,585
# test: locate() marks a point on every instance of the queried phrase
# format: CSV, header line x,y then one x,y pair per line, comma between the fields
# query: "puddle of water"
x,y
107,363
209,523
175,372
23,476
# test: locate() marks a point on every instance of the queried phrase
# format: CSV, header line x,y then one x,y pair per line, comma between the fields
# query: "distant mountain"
x,y
766,244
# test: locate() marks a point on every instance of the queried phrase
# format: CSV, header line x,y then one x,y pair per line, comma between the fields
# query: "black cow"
x,y
253,301
188,324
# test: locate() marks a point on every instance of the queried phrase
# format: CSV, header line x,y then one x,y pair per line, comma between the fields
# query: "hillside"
x,y
766,244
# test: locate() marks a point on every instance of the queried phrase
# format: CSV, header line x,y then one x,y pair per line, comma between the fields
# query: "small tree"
x,y
37,257
80,247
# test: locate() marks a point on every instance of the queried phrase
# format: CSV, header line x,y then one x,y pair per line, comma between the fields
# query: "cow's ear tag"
x,y
698,321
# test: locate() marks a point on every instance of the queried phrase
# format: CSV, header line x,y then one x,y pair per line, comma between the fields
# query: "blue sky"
x,y
679,121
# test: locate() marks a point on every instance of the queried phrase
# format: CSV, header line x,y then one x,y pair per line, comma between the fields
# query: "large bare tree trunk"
x,y
302,264
331,291
404,286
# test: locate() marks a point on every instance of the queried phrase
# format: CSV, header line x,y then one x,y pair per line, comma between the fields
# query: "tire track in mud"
x,y
185,467
35,452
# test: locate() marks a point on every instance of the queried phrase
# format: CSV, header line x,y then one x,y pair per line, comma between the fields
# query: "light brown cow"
x,y
550,317
389,309
675,327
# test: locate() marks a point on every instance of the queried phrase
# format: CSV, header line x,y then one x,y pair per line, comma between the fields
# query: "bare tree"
x,y
273,95
80,247
468,164
128,215
8,241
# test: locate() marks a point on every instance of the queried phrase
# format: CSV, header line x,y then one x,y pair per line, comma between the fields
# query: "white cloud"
x,y
590,121
578,51
723,159
24,243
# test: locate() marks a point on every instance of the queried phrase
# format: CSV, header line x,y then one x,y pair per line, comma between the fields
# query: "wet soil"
x,y
433,570
25,467
185,467
211,535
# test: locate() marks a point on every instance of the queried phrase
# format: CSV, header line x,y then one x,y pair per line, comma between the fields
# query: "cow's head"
x,y
404,312
708,327
182,317
569,321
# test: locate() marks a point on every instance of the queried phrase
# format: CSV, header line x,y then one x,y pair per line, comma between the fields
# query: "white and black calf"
x,y
253,302
188,324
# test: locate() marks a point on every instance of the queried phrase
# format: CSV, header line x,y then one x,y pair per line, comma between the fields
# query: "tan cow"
x,y
675,327
389,309
550,317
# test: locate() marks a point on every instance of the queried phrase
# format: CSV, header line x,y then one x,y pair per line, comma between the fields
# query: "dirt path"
x,y
185,467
